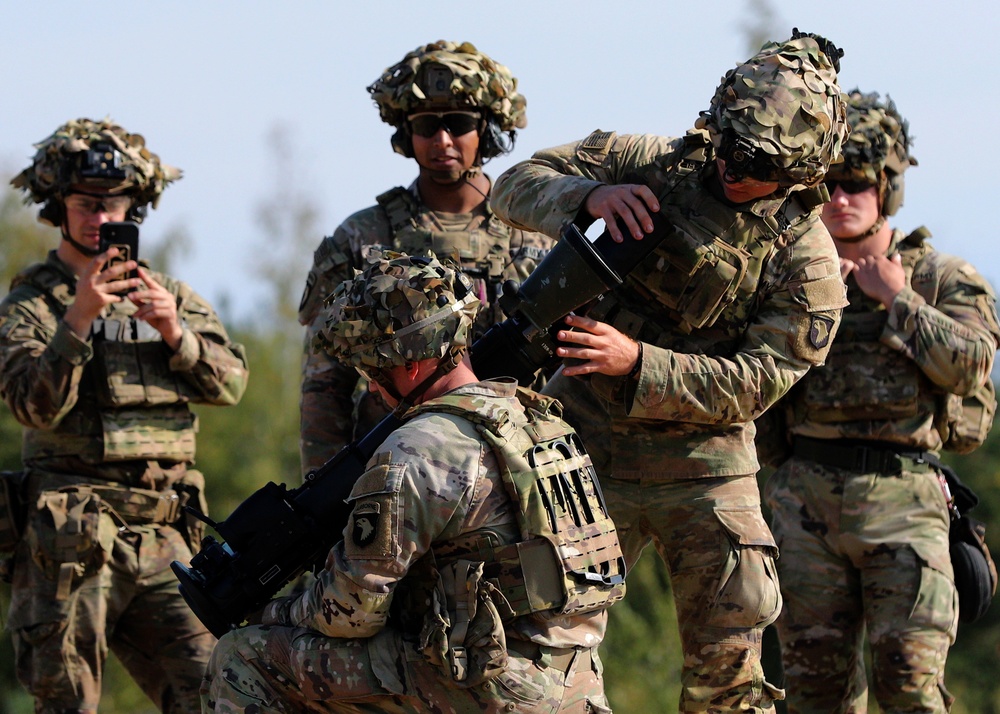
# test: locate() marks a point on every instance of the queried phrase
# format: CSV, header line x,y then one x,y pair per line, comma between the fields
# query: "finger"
x,y
147,278
580,338
583,322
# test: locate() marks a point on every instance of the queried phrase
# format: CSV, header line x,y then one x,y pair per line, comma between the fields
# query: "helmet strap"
x,y
85,250
449,362
875,228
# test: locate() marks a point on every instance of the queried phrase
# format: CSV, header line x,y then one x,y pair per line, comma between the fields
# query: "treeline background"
x,y
241,448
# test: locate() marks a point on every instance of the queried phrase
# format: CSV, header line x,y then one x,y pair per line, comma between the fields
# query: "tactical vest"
x,y
865,380
705,275
130,404
569,560
482,249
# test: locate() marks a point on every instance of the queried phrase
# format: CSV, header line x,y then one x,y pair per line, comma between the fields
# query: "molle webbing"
x,y
569,559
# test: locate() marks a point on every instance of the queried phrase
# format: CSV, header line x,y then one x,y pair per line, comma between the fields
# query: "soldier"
x,y
858,509
446,593
100,369
453,108
737,302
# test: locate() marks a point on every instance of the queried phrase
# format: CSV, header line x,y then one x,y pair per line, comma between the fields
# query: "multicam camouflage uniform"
x,y
859,515
736,304
404,618
108,442
335,408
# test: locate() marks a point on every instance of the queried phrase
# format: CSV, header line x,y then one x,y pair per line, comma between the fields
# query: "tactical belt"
x,y
138,506
559,658
861,457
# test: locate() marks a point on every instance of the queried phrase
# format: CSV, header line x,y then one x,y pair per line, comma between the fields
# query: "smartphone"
x,y
123,235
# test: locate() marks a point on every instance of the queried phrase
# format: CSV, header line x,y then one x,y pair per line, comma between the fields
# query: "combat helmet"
x,y
100,154
878,150
400,309
445,76
780,116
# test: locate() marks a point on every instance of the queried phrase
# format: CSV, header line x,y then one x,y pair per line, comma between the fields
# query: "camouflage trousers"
x,y
863,552
720,555
77,591
261,669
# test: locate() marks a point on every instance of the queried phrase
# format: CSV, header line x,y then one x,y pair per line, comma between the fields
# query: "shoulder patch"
x,y
597,141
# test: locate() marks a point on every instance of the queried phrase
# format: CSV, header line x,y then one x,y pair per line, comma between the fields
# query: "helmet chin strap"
x,y
876,227
86,250
449,362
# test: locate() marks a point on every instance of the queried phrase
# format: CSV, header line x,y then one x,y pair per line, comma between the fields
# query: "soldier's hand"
x,y
158,307
846,266
630,202
601,348
96,288
880,278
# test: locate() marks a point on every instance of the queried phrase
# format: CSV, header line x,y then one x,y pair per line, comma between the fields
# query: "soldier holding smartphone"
x,y
100,368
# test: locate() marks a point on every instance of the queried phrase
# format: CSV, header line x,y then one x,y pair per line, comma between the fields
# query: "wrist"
x,y
637,367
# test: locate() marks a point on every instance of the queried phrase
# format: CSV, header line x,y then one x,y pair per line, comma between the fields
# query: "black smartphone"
x,y
123,235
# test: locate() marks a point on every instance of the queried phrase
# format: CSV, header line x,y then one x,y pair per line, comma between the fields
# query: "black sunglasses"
x,y
851,187
427,124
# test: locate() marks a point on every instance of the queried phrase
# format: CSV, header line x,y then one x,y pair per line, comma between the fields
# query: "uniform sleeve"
x,y
801,300
400,507
326,405
207,358
527,250
954,340
549,189
41,363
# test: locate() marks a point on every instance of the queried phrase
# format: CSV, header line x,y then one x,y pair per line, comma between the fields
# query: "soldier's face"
x,y
445,156
850,214
87,208
748,189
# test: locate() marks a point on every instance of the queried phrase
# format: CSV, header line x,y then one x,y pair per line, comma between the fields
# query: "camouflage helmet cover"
x,y
59,163
400,309
785,100
879,140
444,75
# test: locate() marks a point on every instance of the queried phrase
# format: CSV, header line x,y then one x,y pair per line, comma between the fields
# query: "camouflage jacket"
x,y
488,249
889,368
433,484
733,307
91,407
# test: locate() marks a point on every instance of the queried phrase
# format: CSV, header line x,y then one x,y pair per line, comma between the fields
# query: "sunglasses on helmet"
x,y
851,187
427,124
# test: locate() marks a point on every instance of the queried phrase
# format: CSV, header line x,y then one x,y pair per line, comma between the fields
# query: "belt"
x,y
560,658
861,457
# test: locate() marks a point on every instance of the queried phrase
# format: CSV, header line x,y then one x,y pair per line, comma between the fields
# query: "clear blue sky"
x,y
206,82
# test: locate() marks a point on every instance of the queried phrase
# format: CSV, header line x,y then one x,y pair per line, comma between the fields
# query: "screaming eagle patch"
x,y
366,522
820,329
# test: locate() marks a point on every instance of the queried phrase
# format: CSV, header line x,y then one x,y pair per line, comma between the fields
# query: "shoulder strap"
x,y
49,282
400,206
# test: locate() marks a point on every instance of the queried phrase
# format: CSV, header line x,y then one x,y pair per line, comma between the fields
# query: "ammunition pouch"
x,y
965,422
70,535
463,631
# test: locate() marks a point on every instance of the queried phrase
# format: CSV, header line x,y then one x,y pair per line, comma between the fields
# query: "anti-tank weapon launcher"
x,y
278,533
